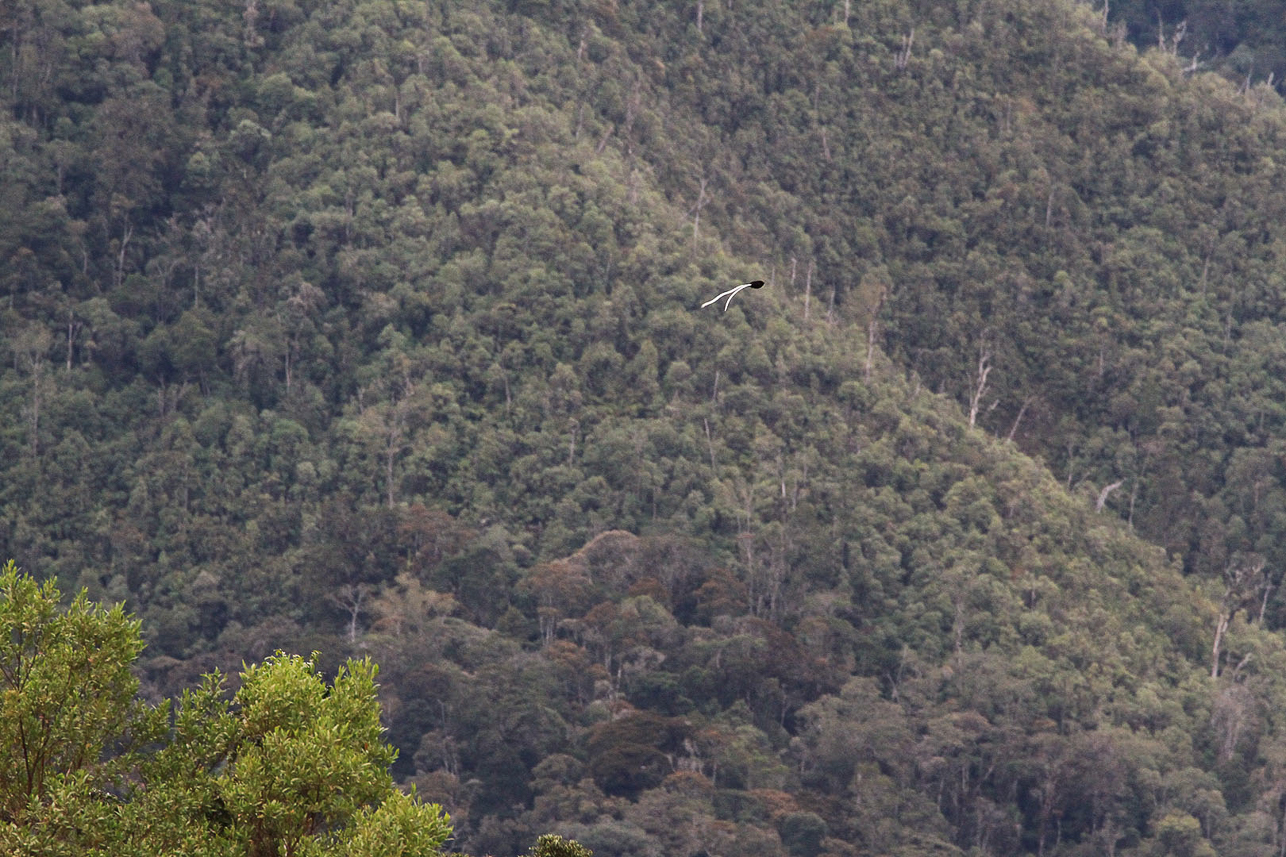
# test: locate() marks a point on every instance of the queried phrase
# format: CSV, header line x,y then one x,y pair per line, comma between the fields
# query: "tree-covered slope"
x,y
1004,190
941,648
370,327
1245,42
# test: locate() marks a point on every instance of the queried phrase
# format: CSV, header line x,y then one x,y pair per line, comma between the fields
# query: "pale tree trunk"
x,y
73,327
37,396
871,328
1220,629
1105,493
980,385
1244,580
696,209
709,442
351,597
1134,496
808,288
1013,429
126,235
904,55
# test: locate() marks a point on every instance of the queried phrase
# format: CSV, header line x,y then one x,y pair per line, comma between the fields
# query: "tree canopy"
x,y
287,765
365,328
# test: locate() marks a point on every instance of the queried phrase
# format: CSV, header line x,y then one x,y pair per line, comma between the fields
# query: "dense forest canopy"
x,y
1244,41
370,328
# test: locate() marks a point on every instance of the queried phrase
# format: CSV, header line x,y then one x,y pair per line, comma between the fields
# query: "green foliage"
x,y
307,759
399,826
553,845
802,833
66,694
1243,41
369,328
287,766
630,754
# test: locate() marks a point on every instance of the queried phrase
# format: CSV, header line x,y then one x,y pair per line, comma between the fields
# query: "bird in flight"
x,y
732,293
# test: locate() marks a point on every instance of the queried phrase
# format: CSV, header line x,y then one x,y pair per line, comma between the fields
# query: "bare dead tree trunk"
x,y
1134,495
1049,793
286,359
1243,580
1220,628
980,384
696,211
1103,495
126,235
73,327
871,327
602,143
1013,429
1231,717
957,624
808,288
904,55
351,597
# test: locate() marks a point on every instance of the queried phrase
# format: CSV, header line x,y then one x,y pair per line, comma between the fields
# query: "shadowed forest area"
x,y
369,328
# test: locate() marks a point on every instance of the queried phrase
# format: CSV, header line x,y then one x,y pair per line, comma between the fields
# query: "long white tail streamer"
x,y
732,293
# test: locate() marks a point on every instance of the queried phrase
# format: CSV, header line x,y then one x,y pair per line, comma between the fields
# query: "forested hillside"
x,y
370,328
1244,41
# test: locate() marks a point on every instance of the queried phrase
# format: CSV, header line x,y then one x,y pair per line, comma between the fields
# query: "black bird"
x,y
732,293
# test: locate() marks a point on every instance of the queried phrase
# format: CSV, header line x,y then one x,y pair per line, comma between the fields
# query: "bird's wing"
x,y
731,293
